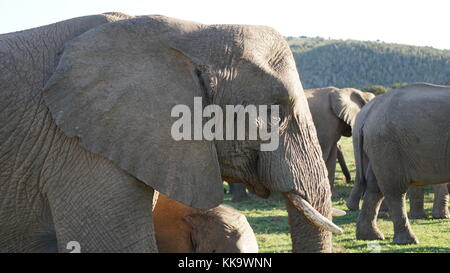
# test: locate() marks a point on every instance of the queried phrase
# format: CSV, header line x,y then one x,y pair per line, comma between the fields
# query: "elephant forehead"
x,y
247,242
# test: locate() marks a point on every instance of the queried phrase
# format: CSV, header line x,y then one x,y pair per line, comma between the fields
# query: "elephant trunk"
x,y
306,237
297,170
315,217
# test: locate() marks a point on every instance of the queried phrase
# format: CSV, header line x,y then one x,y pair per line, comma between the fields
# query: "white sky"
x,y
424,23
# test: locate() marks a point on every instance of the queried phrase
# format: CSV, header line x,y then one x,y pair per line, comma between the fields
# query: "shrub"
x,y
375,89
397,85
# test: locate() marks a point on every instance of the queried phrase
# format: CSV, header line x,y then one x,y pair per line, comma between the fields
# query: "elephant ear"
x,y
114,88
347,102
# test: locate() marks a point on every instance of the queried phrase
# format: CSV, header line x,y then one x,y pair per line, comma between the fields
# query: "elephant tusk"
x,y
312,214
337,212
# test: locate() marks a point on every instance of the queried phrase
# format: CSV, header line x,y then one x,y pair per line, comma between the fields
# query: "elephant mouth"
x,y
313,215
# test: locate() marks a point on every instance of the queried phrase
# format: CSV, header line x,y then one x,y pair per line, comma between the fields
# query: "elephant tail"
x,y
359,160
360,180
362,161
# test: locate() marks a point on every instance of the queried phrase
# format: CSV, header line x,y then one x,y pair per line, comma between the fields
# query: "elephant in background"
x,y
398,141
85,130
238,192
333,111
343,165
416,203
440,204
182,229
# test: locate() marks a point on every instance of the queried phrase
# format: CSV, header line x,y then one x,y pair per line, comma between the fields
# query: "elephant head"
x,y
346,104
179,228
221,229
115,85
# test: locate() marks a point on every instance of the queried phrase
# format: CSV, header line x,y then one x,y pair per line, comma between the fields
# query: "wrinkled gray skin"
x,y
399,140
85,130
334,111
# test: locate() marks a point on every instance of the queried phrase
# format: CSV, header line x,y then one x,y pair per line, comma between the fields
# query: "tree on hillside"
x,y
375,89
397,85
359,64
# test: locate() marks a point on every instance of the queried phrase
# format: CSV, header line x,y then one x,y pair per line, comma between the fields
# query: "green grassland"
x,y
269,221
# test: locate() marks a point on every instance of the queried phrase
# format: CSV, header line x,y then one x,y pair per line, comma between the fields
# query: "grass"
x,y
269,221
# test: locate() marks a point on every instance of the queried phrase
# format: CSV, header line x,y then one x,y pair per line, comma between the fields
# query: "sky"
x,y
422,23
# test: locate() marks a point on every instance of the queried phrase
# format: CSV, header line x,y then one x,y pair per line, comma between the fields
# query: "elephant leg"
x,y
440,205
416,198
355,196
358,189
366,227
231,186
331,168
384,210
343,164
239,193
402,229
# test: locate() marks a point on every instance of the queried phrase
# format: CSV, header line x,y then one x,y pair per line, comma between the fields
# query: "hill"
x,y
348,63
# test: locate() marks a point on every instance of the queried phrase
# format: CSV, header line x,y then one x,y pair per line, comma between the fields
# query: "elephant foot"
x,y
405,238
369,234
417,215
352,204
441,215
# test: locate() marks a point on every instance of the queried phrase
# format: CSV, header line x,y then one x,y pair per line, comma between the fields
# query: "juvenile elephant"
x,y
179,228
399,140
333,111
86,130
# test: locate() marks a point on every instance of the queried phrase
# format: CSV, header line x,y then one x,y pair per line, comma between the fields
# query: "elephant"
x,y
343,164
86,130
182,229
416,203
440,204
334,111
400,141
238,192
